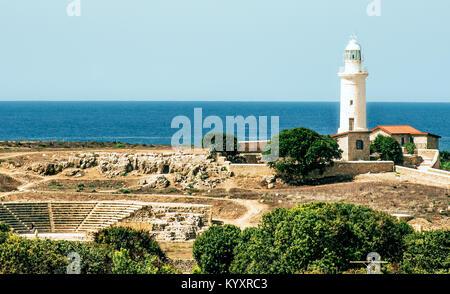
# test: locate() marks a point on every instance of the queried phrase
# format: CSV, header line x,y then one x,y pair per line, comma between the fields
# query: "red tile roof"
x,y
337,135
401,130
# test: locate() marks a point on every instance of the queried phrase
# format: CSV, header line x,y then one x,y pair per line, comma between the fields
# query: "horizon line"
x,y
255,101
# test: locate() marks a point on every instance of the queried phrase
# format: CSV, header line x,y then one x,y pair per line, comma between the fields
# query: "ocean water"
x,y
150,122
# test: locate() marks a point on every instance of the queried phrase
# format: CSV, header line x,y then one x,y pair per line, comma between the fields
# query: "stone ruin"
x,y
188,170
172,221
165,221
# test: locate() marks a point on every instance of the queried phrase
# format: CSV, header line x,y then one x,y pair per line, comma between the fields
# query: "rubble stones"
x,y
156,181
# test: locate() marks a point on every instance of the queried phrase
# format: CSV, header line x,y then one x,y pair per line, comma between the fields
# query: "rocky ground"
x,y
158,174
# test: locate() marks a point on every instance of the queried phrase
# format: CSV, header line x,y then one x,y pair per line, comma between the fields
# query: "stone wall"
x,y
251,170
431,155
252,146
354,168
435,176
171,221
412,161
340,168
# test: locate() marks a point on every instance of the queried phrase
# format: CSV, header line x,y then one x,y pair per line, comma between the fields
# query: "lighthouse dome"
x,y
353,45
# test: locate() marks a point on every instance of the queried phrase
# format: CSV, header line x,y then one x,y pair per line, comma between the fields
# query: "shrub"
x,y
445,155
445,165
4,228
22,256
410,148
95,258
302,151
427,253
213,250
389,149
228,147
118,251
445,160
139,243
318,237
151,264
4,232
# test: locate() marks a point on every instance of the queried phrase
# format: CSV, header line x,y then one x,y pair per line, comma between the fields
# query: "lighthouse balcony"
x,y
363,70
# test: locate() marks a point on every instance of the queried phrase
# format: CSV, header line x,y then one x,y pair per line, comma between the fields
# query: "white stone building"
x,y
353,135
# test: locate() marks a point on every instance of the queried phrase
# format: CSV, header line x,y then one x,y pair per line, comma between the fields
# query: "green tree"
x,y
228,146
303,151
427,253
410,148
213,250
318,237
389,149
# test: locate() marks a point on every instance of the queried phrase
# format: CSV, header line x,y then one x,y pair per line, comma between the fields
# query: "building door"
x,y
351,124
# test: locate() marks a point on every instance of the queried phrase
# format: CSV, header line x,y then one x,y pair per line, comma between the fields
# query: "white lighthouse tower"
x,y
353,90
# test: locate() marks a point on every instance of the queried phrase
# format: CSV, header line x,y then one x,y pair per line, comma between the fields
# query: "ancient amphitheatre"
x,y
75,190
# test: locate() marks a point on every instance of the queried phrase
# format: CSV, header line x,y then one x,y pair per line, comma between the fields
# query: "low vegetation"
x,y
410,148
445,160
321,238
115,250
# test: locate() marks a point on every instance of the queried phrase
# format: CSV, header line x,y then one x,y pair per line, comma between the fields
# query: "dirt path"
x,y
251,218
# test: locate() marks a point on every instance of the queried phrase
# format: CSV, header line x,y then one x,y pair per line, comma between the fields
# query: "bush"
x,y
151,264
445,160
389,149
427,253
410,148
5,228
445,165
95,258
138,243
213,250
119,251
302,151
21,256
445,155
228,148
318,237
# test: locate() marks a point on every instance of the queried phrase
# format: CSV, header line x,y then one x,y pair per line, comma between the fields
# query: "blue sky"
x,y
252,50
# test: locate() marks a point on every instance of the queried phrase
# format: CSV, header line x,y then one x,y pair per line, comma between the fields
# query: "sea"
x,y
150,122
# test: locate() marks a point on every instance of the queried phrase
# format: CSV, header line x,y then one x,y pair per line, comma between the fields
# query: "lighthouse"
x,y
353,90
353,136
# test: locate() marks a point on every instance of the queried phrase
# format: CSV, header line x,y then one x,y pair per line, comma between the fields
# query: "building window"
x,y
412,139
403,141
359,145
